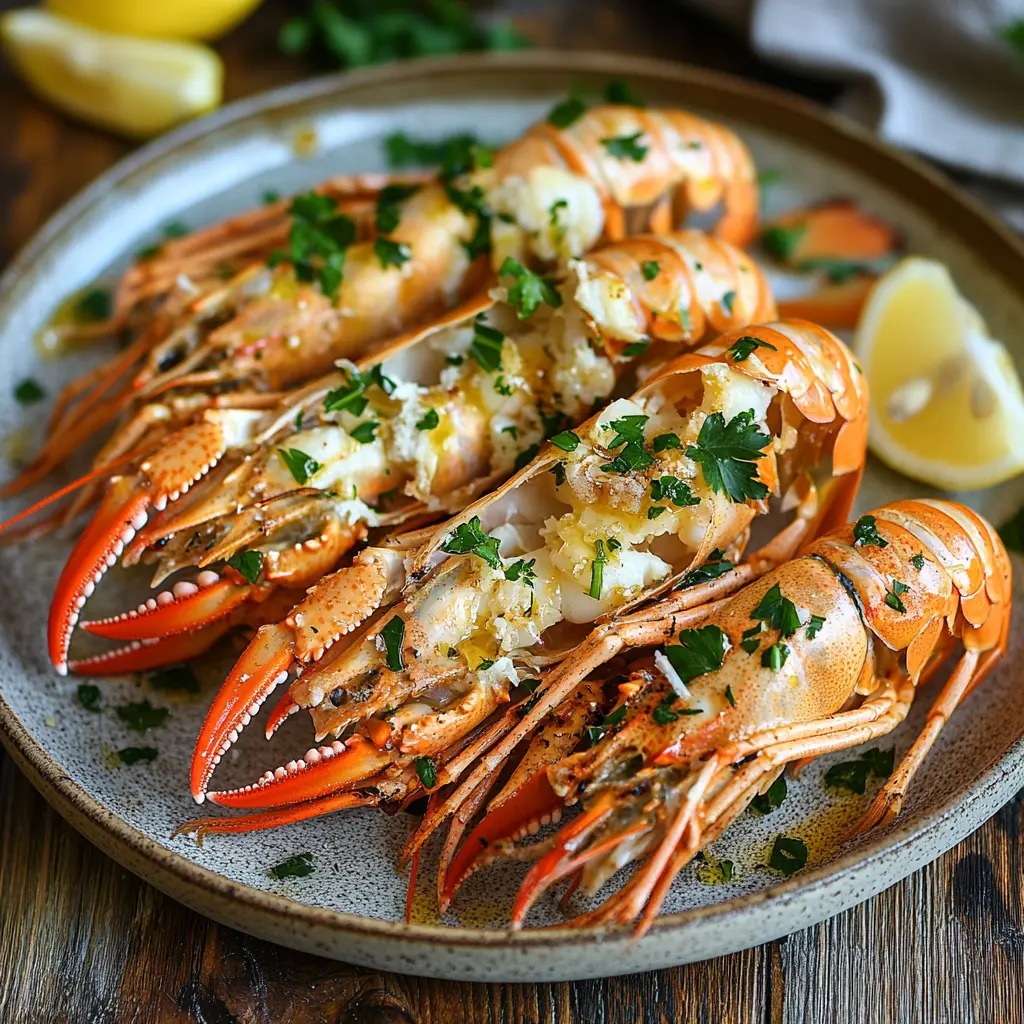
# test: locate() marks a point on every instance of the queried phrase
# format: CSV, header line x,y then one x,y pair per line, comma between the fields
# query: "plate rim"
x,y
991,242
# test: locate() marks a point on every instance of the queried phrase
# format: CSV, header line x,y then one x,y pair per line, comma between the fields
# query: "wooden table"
x,y
81,940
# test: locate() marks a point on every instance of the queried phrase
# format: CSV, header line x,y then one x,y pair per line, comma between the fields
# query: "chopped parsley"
x,y
698,652
788,855
782,242
727,302
93,306
133,755
666,442
866,534
29,391
469,539
269,196
389,206
727,453
655,510
427,771
853,775
456,153
174,677
317,241
742,347
502,387
629,431
729,697
779,612
636,348
142,716
248,564
768,801
566,112
522,570
300,465
486,346
351,396
567,441
713,872
673,489
774,657
554,218
89,696
626,147
650,269
893,598
597,569
393,634
429,420
917,562
391,253
596,733
528,290
365,433
814,626
663,713
619,92
715,566
298,866
512,430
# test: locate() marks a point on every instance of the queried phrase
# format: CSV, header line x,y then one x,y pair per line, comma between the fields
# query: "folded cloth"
x,y
943,77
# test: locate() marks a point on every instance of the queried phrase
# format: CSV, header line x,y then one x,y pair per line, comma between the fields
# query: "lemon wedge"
x,y
169,19
137,87
946,402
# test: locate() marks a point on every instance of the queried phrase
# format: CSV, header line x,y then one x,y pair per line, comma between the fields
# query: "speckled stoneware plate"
x,y
351,906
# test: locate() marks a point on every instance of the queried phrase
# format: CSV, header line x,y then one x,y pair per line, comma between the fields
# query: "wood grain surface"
x,y
81,940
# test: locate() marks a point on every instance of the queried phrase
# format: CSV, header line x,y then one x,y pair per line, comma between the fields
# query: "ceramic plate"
x,y
351,906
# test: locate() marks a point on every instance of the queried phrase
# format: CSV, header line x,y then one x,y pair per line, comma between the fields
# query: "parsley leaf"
x,y
698,652
742,347
663,713
853,775
393,634
528,290
89,696
782,242
93,306
917,562
248,564
620,92
317,241
765,803
300,465
174,677
365,433
133,755
391,253
779,612
427,771
727,452
715,566
627,428
814,626
666,442
893,597
29,391
389,206
788,855
469,539
522,570
729,697
142,716
866,534
429,420
525,457
298,866
626,147
567,440
650,269
775,657
673,489
566,112
486,346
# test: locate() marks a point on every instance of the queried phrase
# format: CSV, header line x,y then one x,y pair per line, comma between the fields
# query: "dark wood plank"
x,y
81,940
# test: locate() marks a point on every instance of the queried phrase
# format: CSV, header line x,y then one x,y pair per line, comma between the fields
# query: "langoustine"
x,y
820,654
436,417
608,516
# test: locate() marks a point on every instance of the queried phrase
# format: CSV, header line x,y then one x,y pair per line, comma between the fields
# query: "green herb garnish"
x,y
788,855
597,570
775,657
174,677
389,206
317,241
893,597
782,242
133,755
393,634
742,347
917,562
567,440
779,612
142,716
429,420
814,626
486,346
29,391
89,696
248,564
673,489
727,453
469,539
528,290
626,147
866,534
391,253
298,866
765,803
698,652
650,269
566,112
300,465
365,433
93,306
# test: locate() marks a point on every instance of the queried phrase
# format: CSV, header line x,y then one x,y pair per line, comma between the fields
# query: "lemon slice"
x,y
137,87
170,19
946,401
